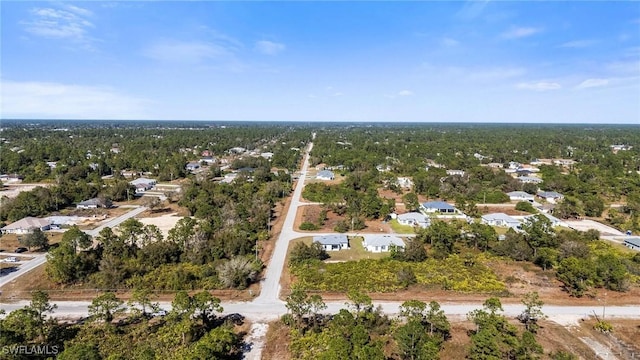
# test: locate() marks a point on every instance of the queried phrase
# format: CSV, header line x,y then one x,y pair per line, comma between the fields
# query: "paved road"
x,y
39,259
271,283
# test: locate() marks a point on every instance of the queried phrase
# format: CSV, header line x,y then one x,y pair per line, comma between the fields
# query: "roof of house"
x,y
438,205
635,241
94,201
549,194
325,174
500,216
141,181
529,179
336,239
28,223
383,240
413,216
519,194
246,169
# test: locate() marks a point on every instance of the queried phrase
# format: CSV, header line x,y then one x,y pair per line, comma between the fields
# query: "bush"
x,y
525,206
308,226
301,252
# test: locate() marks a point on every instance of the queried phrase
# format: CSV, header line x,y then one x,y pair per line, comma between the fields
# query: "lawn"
x,y
400,229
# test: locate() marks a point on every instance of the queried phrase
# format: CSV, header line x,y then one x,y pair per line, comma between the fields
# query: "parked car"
x,y
11,259
21,250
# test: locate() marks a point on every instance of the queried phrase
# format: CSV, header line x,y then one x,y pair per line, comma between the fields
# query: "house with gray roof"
x,y
414,219
520,196
431,207
382,243
632,243
332,242
501,220
529,180
27,225
325,175
551,197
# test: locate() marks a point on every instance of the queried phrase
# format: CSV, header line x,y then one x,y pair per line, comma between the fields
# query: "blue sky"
x,y
482,61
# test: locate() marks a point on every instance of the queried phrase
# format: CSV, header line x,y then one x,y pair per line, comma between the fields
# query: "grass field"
x,y
400,229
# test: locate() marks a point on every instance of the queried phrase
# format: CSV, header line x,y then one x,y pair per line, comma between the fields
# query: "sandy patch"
x,y
164,222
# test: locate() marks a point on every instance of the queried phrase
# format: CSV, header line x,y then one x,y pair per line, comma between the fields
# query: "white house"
x,y
632,243
455,172
414,219
404,182
501,220
92,204
325,175
332,242
267,155
437,207
381,243
27,225
551,197
529,180
521,196
143,184
193,165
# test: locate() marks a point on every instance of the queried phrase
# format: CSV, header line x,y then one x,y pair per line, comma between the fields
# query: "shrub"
x,y
308,226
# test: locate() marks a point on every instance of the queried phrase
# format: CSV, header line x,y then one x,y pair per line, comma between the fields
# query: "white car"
x,y
11,259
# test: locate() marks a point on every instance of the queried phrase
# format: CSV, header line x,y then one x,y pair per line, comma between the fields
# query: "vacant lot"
x,y
311,213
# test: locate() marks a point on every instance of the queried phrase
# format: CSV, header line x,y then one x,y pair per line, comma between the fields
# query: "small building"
x,y
550,196
325,175
404,182
267,155
143,184
529,180
437,207
455,172
332,242
501,220
520,196
632,243
414,219
93,204
193,165
382,243
208,160
27,225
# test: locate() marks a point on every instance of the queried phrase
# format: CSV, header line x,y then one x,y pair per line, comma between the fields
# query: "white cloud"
x,y
539,86
269,47
449,42
191,52
576,44
589,83
59,24
405,93
63,101
520,32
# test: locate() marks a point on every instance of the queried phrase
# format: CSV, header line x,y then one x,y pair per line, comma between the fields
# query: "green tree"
x,y
40,306
36,238
105,307
414,343
141,301
532,312
411,202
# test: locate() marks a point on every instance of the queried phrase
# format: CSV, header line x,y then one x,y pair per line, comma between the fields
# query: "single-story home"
x,y
267,155
93,204
455,172
325,175
332,242
404,182
521,196
437,206
143,184
193,165
382,243
208,160
27,225
632,243
529,180
414,219
500,219
550,196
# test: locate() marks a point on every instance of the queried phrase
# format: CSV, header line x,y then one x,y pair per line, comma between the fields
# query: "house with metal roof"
x,y
501,220
437,207
332,242
27,225
325,175
414,219
382,243
632,243
520,196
